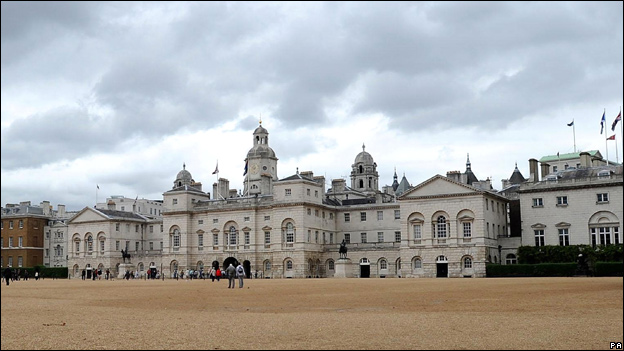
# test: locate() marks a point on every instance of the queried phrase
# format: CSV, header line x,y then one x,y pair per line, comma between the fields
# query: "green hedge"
x,y
608,269
563,254
45,272
531,270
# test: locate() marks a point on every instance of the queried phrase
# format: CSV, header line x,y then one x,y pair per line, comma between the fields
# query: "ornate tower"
x,y
364,176
261,165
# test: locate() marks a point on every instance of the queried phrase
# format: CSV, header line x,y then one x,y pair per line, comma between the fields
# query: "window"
x,y
397,214
136,246
20,241
380,237
487,207
77,246
116,227
127,227
363,216
383,264
309,212
151,245
116,245
564,237
136,228
316,236
176,238
232,236
287,192
511,259
175,201
441,227
308,192
247,238
200,240
331,238
309,236
418,263
467,262
215,220
467,229
20,261
554,169
602,198
380,215
347,238
127,245
267,218
417,232
215,239
102,246
10,224
330,265
616,235
90,244
267,265
267,238
331,215
562,201
21,224
315,193
363,238
316,213
538,202
347,217
246,219
201,221
10,261
397,237
290,233
289,265
539,237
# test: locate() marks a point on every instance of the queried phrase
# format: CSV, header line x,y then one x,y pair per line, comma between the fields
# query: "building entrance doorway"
x,y
441,267
364,268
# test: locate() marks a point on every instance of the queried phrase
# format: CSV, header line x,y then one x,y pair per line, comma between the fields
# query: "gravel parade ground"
x,y
513,313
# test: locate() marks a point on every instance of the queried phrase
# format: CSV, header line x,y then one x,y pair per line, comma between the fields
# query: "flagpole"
x,y
574,134
605,128
97,187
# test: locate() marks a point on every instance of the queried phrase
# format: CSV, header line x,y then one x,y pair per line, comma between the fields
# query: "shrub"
x,y
608,269
531,270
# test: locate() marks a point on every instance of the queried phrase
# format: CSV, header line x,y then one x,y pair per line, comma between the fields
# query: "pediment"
x,y
538,226
88,215
563,225
215,231
439,185
266,228
246,229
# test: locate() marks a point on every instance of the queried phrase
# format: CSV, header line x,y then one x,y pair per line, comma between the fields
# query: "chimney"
x,y
545,170
111,205
338,185
454,175
45,205
585,159
61,211
307,174
533,175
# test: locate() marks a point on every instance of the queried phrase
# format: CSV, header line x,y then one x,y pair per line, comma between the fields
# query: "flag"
x,y
571,123
98,186
216,169
557,154
246,164
603,121
611,137
617,119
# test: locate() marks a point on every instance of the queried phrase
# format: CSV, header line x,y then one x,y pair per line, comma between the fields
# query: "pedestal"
x,y
343,268
123,268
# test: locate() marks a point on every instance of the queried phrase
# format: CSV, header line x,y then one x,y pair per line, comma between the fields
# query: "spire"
x,y
261,119
184,165
468,161
395,183
363,147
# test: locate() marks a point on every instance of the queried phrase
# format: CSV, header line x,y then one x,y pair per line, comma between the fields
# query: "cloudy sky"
x,y
120,95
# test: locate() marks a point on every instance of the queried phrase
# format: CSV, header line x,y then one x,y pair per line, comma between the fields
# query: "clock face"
x,y
254,169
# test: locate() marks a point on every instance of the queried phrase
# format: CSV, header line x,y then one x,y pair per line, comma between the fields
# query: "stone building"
x,y
22,235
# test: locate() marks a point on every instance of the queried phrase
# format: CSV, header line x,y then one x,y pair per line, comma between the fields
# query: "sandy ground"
x,y
517,313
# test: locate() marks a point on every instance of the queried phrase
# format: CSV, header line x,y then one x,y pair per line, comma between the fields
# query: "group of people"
x,y
233,273
9,275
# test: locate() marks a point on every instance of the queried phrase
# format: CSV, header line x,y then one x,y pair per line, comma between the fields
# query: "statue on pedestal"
x,y
343,249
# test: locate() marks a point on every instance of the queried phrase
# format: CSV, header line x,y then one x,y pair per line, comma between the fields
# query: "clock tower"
x,y
261,165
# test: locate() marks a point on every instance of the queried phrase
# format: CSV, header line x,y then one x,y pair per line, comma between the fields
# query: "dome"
x,y
364,157
261,150
184,175
261,129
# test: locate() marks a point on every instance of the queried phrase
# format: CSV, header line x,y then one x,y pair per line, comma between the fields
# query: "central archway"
x,y
229,260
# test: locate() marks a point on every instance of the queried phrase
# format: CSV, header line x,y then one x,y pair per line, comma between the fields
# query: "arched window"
x,y
267,265
467,262
417,263
361,183
89,243
441,227
383,264
330,265
361,169
290,233
232,235
176,238
289,265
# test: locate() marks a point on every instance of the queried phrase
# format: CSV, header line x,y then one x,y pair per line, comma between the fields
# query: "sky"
x,y
121,95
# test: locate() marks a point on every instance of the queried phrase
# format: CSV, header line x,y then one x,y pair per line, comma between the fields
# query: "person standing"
x,y
231,274
7,275
240,273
